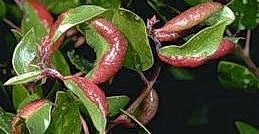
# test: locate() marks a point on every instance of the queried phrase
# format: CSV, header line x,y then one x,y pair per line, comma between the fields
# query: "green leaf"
x,y
246,13
180,73
5,121
27,100
201,45
133,118
25,53
116,103
39,121
24,78
245,128
32,20
195,2
224,14
2,9
232,75
76,16
93,108
60,63
79,62
139,54
66,117
60,6
114,4
19,94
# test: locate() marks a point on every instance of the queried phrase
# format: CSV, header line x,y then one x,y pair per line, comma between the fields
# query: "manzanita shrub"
x,y
69,53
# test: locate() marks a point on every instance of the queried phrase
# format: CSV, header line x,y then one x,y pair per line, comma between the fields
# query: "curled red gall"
x,y
42,12
186,20
148,107
91,91
25,112
111,61
225,47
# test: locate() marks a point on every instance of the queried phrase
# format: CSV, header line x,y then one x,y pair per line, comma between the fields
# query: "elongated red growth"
x,y
47,48
26,112
112,60
225,47
167,36
42,12
31,108
91,91
148,107
187,20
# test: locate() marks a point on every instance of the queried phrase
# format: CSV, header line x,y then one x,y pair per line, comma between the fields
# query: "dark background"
x,y
179,99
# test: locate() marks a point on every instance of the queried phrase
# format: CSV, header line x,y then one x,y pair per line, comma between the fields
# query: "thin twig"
x,y
247,45
248,61
132,108
78,74
10,23
85,127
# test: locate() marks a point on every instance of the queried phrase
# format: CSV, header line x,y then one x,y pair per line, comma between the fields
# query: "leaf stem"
x,y
10,23
132,108
248,61
247,45
84,125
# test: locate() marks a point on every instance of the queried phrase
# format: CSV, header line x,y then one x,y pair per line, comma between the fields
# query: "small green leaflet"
x,y
203,44
245,128
180,73
24,78
66,116
76,16
116,103
223,14
5,121
232,75
39,121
